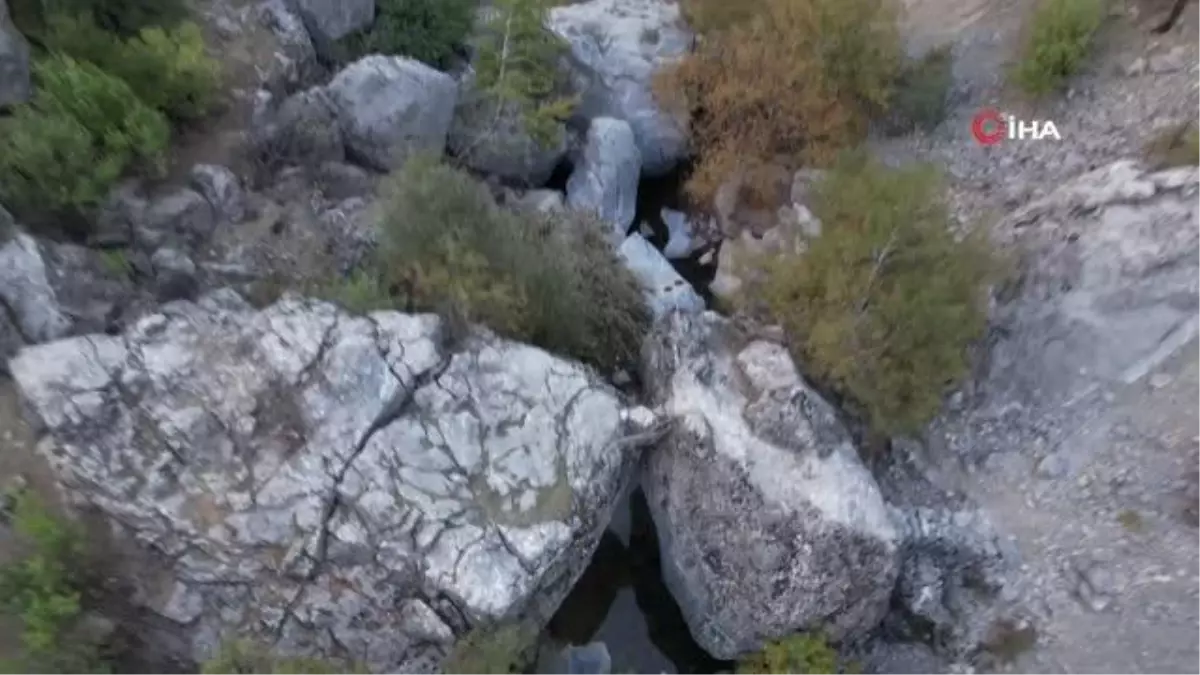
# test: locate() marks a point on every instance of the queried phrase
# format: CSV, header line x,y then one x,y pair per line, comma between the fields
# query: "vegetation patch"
x,y
549,280
82,131
1175,146
43,590
797,81
504,649
1059,38
244,656
430,31
885,302
800,653
919,99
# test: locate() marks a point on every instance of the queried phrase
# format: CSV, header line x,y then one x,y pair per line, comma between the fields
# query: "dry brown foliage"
x,y
797,81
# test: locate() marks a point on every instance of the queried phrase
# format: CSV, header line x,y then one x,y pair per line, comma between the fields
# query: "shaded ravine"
x,y
621,600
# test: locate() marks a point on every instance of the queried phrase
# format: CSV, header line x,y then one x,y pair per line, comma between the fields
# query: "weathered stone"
x,y
222,189
497,142
118,216
328,20
181,217
15,86
664,289
26,293
681,241
605,179
616,47
768,522
174,274
392,107
295,61
11,340
332,484
303,130
339,181
543,201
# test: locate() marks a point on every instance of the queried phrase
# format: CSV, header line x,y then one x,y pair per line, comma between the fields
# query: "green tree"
x,y
883,305
82,131
517,68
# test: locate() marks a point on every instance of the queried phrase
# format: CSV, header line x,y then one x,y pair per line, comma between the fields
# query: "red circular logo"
x,y
988,127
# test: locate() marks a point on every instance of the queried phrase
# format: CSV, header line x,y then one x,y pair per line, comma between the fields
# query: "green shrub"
x,y
801,653
1176,145
501,650
517,66
244,656
359,293
84,129
43,591
447,247
710,16
919,98
168,69
798,81
432,31
1059,39
123,17
885,302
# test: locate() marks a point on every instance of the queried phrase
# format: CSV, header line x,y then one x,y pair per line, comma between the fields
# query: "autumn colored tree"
x,y
796,81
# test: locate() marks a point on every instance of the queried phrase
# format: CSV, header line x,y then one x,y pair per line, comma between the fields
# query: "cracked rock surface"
x,y
768,523
334,486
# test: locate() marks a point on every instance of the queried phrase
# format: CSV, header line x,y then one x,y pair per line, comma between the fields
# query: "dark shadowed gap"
x,y
621,600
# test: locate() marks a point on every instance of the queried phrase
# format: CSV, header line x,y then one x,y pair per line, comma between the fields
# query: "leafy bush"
x,y
1059,38
84,129
516,65
243,656
709,16
43,590
501,650
447,247
919,99
885,302
167,68
799,80
432,31
801,653
122,17
1176,145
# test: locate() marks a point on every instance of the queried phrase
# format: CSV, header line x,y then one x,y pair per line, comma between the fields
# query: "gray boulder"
x,y
605,179
26,293
498,144
392,107
222,189
174,274
681,241
15,84
11,340
328,20
180,217
616,47
295,56
664,289
768,522
303,130
329,484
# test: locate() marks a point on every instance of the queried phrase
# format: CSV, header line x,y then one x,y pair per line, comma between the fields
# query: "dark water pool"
x,y
622,601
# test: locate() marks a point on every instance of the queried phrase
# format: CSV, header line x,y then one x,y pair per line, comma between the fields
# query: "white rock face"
x,y
333,19
347,484
664,289
391,107
605,179
1111,283
26,292
617,46
768,523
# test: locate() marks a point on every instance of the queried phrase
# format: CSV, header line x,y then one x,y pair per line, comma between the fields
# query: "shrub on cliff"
x,y
431,31
552,281
1058,38
885,302
121,17
244,656
83,130
800,653
799,80
168,68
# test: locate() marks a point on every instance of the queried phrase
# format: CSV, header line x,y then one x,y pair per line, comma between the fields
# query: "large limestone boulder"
x,y
768,522
295,56
391,107
333,485
616,47
665,291
15,84
605,178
